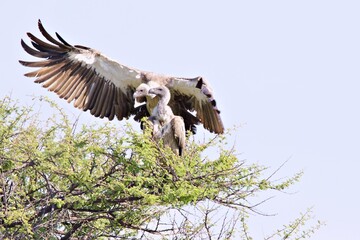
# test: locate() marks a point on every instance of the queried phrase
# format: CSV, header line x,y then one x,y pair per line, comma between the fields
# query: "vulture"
x,y
162,113
166,125
107,89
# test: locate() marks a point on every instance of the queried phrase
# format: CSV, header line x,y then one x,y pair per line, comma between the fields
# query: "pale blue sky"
x,y
286,71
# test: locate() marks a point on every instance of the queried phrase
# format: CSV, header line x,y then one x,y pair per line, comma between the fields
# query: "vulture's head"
x,y
141,92
161,91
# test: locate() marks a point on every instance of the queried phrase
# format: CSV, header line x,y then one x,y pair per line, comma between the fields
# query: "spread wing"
x,y
83,75
105,87
195,94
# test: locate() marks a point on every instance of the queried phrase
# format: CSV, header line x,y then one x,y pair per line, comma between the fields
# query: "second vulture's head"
x,y
162,92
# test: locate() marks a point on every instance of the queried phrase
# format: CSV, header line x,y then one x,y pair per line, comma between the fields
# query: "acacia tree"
x,y
60,181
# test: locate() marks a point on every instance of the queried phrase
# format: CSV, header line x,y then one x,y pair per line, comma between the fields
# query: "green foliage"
x,y
59,180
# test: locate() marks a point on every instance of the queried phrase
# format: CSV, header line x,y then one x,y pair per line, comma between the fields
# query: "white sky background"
x,y
286,71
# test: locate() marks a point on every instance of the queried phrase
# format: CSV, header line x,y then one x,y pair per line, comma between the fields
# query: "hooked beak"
x,y
151,93
136,94
140,97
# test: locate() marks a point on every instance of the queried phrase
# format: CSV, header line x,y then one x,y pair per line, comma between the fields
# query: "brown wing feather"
x,y
196,95
173,135
177,124
76,80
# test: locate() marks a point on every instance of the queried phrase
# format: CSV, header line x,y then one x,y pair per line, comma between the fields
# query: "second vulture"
x,y
166,125
105,87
